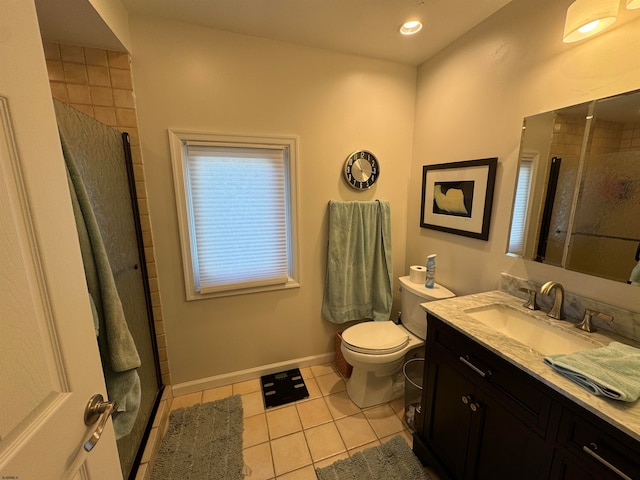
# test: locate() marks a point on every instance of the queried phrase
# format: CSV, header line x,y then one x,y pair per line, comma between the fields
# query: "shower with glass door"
x,y
103,189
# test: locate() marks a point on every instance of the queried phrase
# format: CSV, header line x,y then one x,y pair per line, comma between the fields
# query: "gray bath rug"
x,y
204,442
390,461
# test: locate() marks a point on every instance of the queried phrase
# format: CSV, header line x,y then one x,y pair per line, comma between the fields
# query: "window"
x,y
236,199
521,205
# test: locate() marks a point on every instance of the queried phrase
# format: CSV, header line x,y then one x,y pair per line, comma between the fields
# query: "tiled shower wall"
x,y
98,83
630,140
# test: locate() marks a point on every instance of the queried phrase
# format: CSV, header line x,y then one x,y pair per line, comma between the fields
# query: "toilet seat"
x,y
375,338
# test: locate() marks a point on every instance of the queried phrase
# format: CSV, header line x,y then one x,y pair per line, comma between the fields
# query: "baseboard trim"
x,y
249,374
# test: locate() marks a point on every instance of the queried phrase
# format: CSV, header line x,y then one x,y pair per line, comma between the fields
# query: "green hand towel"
x,y
612,371
358,280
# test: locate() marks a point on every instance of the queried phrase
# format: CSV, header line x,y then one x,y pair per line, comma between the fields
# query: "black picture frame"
x,y
457,197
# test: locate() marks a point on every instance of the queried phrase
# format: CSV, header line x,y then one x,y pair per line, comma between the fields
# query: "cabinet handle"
x,y
466,399
466,361
591,452
474,407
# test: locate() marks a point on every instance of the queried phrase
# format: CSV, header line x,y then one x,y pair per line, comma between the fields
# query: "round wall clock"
x,y
361,169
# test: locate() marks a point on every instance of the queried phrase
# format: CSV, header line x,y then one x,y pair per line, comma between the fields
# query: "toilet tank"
x,y
413,294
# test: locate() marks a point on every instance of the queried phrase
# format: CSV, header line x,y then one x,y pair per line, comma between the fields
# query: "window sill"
x,y
191,296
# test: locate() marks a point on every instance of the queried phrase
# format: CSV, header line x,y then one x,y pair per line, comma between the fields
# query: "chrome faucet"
x,y
556,310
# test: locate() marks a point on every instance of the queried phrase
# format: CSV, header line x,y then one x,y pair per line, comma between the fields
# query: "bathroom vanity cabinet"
x,y
588,448
485,418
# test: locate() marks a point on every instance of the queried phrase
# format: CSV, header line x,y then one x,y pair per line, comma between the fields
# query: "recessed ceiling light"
x,y
411,27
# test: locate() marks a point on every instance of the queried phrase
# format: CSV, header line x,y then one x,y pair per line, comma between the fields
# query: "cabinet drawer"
x,y
510,385
597,446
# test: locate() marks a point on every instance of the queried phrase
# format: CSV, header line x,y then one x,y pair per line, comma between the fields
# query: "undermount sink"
x,y
528,330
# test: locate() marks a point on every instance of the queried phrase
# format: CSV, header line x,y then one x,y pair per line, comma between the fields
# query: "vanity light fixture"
x,y
411,27
633,4
588,17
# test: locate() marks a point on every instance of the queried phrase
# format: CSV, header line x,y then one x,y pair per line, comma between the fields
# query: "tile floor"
x,y
290,441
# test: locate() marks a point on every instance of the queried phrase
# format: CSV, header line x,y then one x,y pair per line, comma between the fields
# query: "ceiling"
x,y
361,27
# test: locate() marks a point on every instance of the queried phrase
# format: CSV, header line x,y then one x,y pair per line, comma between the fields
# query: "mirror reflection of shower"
x,y
578,189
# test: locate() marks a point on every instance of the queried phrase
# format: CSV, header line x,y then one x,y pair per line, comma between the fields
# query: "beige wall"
x,y
189,77
511,66
115,15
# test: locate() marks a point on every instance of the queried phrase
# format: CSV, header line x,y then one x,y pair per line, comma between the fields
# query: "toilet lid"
x,y
375,338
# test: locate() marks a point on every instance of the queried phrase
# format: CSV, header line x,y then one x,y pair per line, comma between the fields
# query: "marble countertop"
x,y
623,415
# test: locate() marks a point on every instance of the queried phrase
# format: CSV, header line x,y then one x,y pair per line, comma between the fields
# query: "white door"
x,y
49,359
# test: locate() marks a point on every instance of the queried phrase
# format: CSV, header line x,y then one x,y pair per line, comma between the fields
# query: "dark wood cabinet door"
x,y
472,435
447,416
502,446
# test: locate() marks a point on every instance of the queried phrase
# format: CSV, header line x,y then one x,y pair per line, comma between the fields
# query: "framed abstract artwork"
x,y
457,197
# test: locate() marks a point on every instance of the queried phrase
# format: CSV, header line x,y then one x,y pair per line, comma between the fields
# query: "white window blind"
x,y
521,207
237,202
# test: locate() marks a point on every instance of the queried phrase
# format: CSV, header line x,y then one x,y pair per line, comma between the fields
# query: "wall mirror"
x,y
577,201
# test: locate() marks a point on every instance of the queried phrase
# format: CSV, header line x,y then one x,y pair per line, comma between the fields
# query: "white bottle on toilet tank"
x,y
431,271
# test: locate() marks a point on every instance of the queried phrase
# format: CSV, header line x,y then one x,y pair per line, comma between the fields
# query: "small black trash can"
x,y
413,371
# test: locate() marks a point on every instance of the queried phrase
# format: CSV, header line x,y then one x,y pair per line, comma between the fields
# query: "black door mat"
x,y
283,387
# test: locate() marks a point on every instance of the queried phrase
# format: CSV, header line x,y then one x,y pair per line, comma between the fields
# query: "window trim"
x,y
532,158
178,140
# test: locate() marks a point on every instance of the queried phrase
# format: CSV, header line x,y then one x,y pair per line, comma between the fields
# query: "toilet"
x,y
376,350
